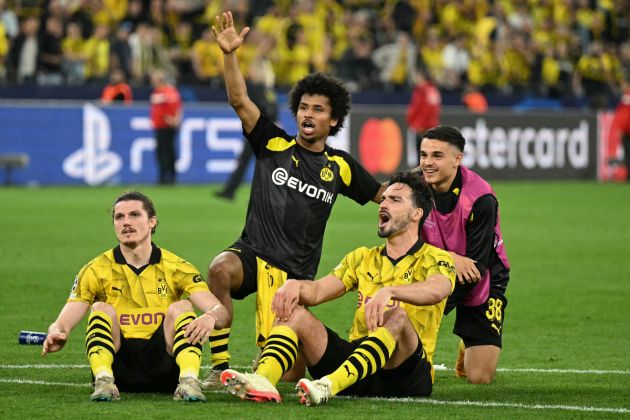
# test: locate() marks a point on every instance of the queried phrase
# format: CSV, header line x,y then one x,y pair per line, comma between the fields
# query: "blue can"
x,y
31,337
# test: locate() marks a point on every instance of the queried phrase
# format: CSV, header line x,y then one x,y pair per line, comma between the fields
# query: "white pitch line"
x,y
480,404
578,371
36,382
43,366
488,404
437,368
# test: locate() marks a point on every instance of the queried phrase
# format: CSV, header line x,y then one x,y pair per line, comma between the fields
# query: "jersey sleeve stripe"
x,y
344,168
278,144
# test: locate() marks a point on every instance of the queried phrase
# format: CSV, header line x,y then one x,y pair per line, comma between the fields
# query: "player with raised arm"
x,y
296,182
402,288
142,334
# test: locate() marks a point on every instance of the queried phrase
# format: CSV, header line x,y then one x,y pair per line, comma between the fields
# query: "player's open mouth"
x,y
126,231
383,218
308,127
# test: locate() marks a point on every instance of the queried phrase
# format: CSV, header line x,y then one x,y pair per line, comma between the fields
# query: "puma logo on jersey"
x,y
119,290
496,328
296,161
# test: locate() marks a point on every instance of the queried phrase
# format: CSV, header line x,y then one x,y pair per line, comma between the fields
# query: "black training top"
x,y
292,194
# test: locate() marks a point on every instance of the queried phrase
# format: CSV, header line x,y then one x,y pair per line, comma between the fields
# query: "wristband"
x,y
210,314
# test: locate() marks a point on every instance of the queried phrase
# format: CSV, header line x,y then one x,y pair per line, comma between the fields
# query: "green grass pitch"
x,y
566,343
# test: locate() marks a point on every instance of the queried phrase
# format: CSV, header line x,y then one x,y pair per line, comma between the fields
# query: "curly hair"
x,y
325,85
420,191
147,204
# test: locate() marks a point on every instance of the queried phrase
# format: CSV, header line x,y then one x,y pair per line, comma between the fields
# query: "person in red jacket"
x,y
423,111
622,122
166,116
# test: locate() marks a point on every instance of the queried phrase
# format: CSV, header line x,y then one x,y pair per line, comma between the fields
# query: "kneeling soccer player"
x,y
141,335
402,290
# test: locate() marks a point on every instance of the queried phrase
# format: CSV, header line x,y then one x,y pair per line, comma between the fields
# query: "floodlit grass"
x,y
566,336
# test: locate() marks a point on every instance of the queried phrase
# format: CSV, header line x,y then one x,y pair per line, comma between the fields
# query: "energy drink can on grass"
x,y
31,337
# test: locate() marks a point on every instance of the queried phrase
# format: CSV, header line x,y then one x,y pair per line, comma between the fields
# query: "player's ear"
x,y
458,157
417,214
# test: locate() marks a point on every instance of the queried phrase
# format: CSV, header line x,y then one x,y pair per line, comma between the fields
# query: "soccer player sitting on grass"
x,y
402,289
141,331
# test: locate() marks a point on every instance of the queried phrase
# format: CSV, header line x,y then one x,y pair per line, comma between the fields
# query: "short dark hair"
x,y
446,133
325,85
420,190
147,204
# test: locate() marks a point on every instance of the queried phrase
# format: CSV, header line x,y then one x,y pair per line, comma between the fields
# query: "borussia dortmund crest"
x,y
326,174
162,288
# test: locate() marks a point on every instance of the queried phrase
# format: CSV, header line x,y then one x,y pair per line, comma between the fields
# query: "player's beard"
x,y
135,242
393,228
311,138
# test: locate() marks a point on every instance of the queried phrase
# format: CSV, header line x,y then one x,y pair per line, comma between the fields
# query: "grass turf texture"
x,y
568,242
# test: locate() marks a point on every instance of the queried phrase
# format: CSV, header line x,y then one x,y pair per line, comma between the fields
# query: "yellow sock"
x,y
279,353
219,347
371,355
460,370
187,356
99,344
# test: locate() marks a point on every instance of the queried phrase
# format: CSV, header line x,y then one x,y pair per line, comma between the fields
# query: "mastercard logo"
x,y
380,145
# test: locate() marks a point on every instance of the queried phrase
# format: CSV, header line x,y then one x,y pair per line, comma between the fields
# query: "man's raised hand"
x,y
225,33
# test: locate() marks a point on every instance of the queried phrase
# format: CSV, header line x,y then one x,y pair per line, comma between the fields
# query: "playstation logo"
x,y
94,162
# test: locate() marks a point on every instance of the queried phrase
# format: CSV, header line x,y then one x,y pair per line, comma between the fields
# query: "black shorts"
x,y
144,365
483,324
248,260
411,379
460,292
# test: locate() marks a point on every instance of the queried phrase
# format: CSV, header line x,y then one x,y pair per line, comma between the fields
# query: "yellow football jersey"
x,y
141,298
369,270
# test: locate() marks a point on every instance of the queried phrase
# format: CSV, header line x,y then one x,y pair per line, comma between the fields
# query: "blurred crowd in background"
x,y
551,48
